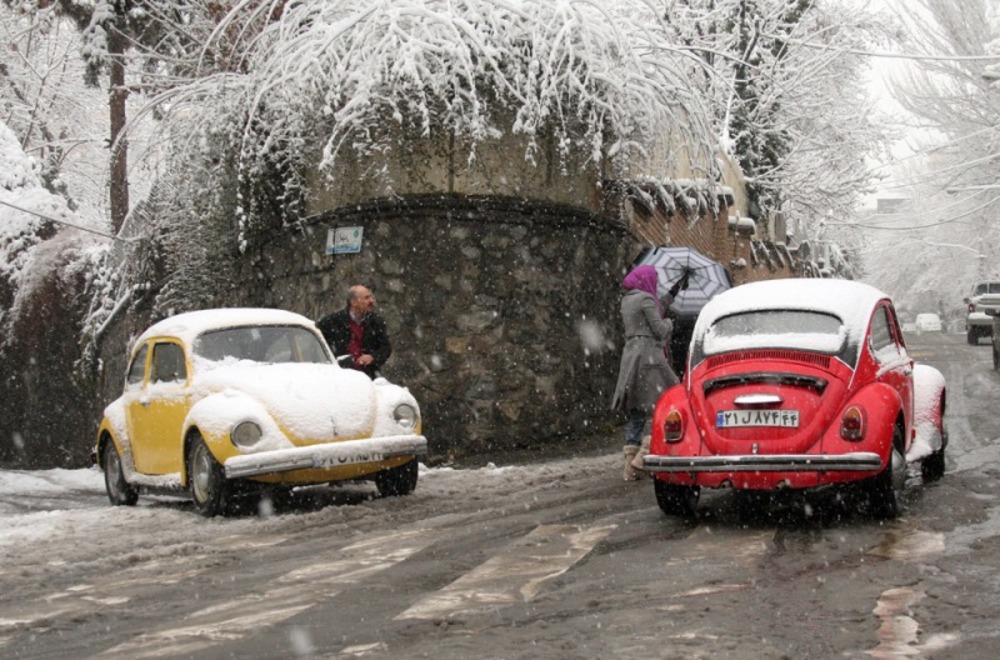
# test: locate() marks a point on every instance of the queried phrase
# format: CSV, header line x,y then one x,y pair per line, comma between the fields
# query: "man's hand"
x,y
364,360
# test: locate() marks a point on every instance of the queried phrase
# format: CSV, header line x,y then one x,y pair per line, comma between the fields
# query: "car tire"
x,y
397,481
206,482
932,467
120,491
885,492
996,358
676,500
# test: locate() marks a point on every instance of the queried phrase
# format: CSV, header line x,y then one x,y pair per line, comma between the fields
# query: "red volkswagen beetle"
x,y
797,384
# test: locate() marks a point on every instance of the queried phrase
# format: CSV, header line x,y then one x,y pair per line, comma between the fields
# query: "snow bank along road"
x,y
555,560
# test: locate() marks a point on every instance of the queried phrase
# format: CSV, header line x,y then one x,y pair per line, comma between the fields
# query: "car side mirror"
x,y
345,361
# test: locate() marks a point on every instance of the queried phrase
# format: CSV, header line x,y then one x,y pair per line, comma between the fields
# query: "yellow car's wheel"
x,y
120,491
206,481
398,480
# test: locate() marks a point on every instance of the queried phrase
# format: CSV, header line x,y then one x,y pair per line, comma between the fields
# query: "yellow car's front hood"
x,y
309,402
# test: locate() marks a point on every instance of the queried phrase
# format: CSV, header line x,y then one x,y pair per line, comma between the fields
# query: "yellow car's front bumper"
x,y
325,456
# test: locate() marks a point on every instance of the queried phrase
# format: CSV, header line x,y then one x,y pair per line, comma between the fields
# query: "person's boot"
x,y
643,450
631,474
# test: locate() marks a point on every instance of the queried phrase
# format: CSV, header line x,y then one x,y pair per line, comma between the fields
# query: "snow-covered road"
x,y
552,560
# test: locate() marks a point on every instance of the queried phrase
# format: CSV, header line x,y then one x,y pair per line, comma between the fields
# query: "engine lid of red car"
x,y
767,401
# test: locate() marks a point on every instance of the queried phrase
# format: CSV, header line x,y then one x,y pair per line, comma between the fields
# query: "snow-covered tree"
x,y
775,79
951,91
44,101
352,77
22,195
784,79
136,47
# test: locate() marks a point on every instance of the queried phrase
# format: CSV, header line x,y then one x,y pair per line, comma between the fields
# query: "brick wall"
x,y
710,228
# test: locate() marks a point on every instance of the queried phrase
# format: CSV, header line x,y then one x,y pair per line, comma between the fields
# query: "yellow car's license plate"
x,y
352,459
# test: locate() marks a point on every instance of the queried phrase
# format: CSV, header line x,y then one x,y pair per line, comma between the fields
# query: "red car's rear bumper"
x,y
862,460
764,472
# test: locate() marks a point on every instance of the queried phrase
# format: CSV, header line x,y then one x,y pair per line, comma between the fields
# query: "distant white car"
x,y
928,323
978,321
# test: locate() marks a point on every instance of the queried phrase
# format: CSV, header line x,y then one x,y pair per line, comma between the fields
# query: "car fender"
x,y
115,427
882,407
215,416
387,397
675,398
929,390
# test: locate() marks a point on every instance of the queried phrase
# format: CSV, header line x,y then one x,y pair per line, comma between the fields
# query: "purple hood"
x,y
643,278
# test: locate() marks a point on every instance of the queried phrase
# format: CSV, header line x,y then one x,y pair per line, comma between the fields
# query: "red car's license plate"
x,y
729,419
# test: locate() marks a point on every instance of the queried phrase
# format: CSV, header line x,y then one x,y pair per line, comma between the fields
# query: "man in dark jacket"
x,y
358,331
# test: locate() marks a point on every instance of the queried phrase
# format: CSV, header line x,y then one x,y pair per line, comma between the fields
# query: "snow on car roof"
x,y
189,325
852,302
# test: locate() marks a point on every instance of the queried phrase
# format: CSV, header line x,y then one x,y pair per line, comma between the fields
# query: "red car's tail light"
x,y
852,425
673,426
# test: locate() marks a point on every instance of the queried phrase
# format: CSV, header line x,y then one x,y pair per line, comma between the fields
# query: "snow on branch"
x,y
479,69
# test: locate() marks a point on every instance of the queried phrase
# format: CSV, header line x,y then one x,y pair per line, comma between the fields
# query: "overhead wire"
x,y
67,223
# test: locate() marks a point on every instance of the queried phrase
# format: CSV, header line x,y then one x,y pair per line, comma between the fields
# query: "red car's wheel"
x,y
885,492
677,500
932,467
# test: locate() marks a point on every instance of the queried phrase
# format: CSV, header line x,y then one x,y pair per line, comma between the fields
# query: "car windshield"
x,y
267,344
986,287
790,329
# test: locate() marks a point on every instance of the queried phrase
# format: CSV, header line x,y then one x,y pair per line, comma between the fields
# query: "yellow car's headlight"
x,y
245,434
406,416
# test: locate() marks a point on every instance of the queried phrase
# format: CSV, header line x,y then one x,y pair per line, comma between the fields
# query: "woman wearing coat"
x,y
644,373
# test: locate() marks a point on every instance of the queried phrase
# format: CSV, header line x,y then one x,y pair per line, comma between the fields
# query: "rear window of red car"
x,y
797,329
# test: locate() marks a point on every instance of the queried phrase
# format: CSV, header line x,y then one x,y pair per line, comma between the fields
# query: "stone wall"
x,y
503,312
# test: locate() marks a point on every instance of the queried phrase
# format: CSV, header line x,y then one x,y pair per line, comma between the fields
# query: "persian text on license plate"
x,y
360,457
730,419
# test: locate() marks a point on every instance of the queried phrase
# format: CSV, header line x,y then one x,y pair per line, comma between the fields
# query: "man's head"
x,y
360,300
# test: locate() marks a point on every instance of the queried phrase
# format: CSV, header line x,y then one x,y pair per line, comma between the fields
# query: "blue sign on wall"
x,y
344,240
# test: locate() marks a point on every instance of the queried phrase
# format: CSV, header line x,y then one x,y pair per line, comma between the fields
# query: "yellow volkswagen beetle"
x,y
228,402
